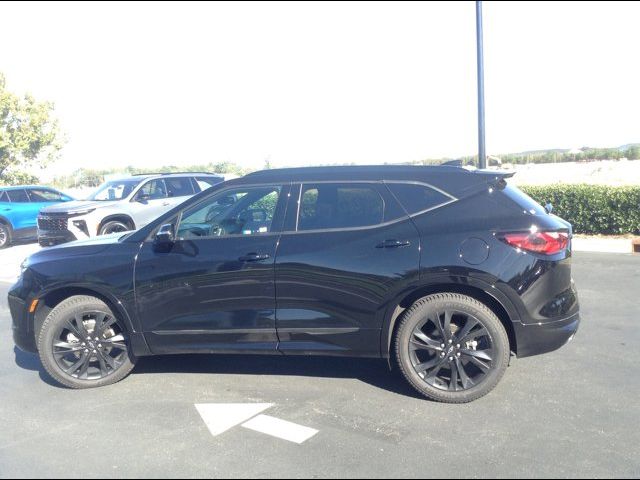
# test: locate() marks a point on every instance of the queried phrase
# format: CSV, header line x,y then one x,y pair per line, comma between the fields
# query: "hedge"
x,y
593,209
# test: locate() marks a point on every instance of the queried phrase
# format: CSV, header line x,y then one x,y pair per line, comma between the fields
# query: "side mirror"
x,y
143,198
549,207
164,239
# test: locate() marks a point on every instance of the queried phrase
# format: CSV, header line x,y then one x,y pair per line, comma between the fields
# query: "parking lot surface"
x,y
571,413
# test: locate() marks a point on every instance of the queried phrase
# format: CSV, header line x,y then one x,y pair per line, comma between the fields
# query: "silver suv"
x,y
120,205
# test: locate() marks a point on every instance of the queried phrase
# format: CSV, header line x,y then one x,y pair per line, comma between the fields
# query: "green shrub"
x,y
593,209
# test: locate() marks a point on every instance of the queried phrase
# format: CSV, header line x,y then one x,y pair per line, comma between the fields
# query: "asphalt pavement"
x,y
571,413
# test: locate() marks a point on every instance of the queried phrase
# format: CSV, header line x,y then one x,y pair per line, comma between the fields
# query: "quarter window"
x,y
242,211
3,197
18,196
329,206
417,198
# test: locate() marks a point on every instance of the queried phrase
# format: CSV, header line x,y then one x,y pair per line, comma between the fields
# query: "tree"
x,y
29,135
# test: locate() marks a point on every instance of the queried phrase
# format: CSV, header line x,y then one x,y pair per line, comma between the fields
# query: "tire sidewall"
x,y
67,309
7,231
113,223
467,305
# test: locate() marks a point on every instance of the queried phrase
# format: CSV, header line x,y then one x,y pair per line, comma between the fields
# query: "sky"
x,y
152,84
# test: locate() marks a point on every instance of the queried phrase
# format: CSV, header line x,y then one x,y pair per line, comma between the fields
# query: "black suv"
x,y
445,270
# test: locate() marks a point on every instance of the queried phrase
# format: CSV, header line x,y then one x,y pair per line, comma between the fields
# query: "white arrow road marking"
x,y
220,417
280,428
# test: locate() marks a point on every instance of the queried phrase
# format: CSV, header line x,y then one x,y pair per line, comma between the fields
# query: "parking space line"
x,y
220,417
280,428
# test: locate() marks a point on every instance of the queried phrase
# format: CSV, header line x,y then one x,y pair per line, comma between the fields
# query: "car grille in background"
x,y
52,223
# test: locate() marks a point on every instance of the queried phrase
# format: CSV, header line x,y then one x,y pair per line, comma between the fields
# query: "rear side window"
x,y
18,196
416,198
179,187
328,206
3,197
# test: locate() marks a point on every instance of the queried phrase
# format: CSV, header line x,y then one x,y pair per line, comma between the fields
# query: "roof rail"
x,y
176,173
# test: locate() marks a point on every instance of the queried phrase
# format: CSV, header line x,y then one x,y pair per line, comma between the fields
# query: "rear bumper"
x,y
538,338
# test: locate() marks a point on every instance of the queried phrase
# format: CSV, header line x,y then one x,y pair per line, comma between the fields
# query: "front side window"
x,y
330,206
114,190
241,211
153,190
179,187
18,196
42,195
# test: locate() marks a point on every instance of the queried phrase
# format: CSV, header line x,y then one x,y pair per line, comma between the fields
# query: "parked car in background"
x,y
120,205
444,270
19,207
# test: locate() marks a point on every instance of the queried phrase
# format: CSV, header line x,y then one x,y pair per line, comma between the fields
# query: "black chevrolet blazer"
x,y
445,271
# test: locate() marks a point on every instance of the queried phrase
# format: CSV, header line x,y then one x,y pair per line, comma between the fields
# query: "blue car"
x,y
19,207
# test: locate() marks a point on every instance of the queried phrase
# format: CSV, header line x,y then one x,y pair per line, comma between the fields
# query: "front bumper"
x,y
539,338
23,334
49,239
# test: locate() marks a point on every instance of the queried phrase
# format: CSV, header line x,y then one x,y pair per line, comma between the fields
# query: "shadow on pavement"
x,y
30,361
375,372
372,371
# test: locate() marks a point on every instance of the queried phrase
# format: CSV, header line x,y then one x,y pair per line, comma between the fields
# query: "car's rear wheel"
x,y
83,344
115,226
5,235
452,348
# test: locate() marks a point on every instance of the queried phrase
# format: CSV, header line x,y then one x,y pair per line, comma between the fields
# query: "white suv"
x,y
119,206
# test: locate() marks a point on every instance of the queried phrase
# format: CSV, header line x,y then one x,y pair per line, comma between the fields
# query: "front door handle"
x,y
393,243
254,257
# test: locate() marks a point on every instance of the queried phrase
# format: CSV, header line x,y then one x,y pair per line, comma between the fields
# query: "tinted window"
x,y
3,197
153,190
523,200
18,196
41,195
207,182
179,187
241,211
115,190
417,198
326,206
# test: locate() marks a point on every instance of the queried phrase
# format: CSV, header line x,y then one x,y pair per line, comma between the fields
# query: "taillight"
x,y
546,243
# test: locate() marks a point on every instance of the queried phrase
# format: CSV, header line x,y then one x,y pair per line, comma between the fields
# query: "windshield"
x,y
115,190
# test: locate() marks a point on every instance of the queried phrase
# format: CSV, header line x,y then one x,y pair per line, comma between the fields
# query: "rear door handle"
x,y
393,243
254,257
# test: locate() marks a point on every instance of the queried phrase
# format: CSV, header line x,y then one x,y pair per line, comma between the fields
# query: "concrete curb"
x,y
603,245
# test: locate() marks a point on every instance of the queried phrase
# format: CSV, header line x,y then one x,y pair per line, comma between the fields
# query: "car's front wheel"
x,y
114,226
452,348
5,235
83,344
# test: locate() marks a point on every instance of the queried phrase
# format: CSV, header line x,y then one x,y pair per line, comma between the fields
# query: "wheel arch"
x,y
7,222
501,307
49,300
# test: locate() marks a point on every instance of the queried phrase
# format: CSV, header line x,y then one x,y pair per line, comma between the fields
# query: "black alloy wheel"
x,y
82,344
452,348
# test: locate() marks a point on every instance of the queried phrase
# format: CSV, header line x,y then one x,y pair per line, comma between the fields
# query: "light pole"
x,y
482,152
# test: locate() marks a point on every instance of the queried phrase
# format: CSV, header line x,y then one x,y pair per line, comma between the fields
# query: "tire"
x,y
475,354
115,226
5,235
66,344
